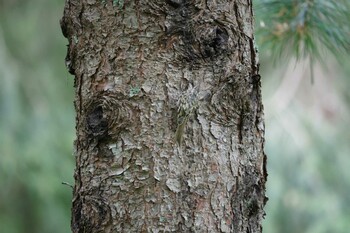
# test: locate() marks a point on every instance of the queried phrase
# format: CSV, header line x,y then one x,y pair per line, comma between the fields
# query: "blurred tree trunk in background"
x,y
133,61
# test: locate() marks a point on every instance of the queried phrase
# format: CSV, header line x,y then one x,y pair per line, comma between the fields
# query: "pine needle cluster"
x,y
303,28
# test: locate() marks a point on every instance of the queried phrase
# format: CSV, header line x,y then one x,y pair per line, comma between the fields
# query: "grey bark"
x,y
133,60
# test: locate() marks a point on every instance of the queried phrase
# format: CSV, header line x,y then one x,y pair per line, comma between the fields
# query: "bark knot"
x,y
107,115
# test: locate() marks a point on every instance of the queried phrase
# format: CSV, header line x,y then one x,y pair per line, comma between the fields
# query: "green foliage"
x,y
303,28
306,141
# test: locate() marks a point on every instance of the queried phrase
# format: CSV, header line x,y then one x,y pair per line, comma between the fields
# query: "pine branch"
x,y
303,28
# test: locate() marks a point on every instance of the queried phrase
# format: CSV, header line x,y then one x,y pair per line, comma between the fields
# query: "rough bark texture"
x,y
133,60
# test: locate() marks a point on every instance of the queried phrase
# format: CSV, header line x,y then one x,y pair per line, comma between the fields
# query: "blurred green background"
x,y
36,119
307,134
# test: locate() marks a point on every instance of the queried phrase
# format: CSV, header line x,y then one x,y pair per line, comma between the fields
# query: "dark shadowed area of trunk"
x,y
140,167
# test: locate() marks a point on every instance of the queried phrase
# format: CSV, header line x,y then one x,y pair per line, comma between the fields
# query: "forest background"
x,y
307,113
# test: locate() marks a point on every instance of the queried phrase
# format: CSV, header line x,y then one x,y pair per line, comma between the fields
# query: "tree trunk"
x,y
169,121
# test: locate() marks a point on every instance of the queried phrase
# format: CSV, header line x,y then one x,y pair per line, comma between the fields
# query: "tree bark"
x,y
136,63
